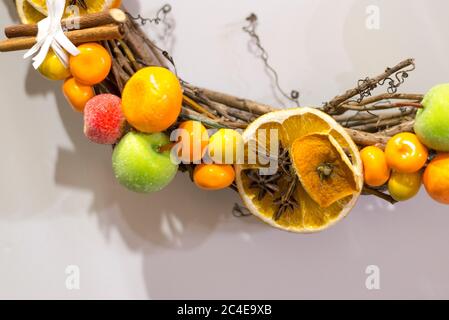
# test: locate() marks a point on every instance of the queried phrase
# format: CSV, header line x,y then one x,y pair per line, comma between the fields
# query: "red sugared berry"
x,y
104,121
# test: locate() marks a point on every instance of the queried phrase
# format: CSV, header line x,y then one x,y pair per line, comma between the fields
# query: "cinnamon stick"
x,y
83,22
108,32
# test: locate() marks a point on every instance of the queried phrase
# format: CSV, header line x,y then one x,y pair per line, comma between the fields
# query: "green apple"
x,y
432,122
140,166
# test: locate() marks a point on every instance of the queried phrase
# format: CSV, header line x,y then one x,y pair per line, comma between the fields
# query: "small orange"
x,y
375,168
213,176
92,65
152,99
436,178
116,4
194,140
77,94
405,153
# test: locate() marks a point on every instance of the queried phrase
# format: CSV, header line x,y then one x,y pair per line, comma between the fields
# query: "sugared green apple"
x,y
140,166
432,122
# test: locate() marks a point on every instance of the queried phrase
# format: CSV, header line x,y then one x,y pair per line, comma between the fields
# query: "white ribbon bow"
x,y
50,34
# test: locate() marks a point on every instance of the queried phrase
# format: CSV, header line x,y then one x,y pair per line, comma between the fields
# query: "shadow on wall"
x,y
181,216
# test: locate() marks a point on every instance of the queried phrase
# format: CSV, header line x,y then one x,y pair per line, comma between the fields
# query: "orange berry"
x,y
375,168
152,99
92,65
405,153
213,176
116,4
436,178
77,94
194,140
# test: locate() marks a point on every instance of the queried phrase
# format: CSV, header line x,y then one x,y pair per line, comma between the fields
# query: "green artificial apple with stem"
x,y
139,163
432,121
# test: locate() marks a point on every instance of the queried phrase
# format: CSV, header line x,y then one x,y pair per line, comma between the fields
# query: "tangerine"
x,y
152,99
405,153
375,168
193,140
213,176
436,178
77,94
92,65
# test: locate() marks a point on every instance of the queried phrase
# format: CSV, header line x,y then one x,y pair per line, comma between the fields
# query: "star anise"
x,y
265,184
286,201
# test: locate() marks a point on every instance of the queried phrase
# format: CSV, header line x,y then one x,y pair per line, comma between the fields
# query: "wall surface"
x,y
60,205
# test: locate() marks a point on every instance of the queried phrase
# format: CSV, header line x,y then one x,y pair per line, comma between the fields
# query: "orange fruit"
x,y
92,6
193,140
116,4
436,178
375,168
152,99
318,174
77,94
92,65
27,13
405,153
213,176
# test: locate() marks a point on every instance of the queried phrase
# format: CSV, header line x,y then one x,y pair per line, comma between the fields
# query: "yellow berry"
x,y
226,147
404,186
53,69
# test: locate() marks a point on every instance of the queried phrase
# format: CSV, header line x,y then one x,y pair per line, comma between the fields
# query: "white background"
x,y
60,205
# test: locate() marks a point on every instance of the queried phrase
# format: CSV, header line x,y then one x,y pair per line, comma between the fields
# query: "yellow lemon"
x,y
53,69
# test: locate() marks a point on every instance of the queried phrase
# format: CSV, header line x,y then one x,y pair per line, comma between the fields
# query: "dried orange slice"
x,y
32,11
27,13
319,177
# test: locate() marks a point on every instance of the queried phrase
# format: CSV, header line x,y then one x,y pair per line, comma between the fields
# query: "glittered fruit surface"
x,y
103,119
77,94
436,178
405,153
53,69
193,140
226,146
432,122
404,186
318,175
152,99
92,65
140,166
213,176
376,171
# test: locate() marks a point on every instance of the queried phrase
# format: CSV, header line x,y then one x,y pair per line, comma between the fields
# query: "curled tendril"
x,y
160,17
393,82
251,30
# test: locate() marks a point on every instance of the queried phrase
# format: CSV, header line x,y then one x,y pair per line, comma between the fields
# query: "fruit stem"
x,y
166,147
325,170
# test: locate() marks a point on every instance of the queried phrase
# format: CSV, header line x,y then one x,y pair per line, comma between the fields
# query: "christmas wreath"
x,y
300,169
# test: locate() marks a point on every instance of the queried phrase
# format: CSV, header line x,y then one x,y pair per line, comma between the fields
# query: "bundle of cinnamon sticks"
x,y
107,25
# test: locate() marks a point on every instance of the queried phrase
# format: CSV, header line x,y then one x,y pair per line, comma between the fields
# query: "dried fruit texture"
x,y
27,13
315,145
323,169
104,121
91,6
